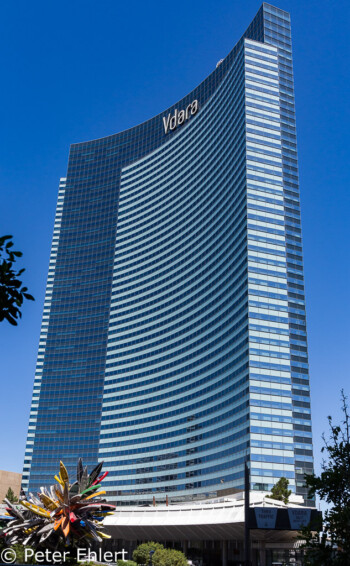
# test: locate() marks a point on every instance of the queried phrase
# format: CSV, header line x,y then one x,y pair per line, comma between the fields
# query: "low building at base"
x,y
211,532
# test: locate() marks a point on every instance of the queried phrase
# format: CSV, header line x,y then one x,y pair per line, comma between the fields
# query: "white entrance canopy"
x,y
218,519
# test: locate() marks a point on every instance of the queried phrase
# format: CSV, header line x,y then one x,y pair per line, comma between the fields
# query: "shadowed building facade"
x,y
173,342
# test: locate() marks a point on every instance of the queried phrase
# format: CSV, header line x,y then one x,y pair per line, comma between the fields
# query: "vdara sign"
x,y
180,117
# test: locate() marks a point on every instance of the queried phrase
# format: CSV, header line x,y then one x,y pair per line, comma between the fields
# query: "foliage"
x,y
161,557
12,293
20,557
280,491
332,547
19,549
169,557
141,553
126,563
11,496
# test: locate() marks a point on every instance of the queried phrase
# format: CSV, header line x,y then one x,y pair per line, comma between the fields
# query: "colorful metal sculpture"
x,y
68,513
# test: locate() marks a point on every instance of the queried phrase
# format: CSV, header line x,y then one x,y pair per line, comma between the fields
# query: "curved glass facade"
x,y
173,341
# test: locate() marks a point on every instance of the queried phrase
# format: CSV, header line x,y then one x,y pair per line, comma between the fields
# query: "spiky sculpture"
x,y
65,513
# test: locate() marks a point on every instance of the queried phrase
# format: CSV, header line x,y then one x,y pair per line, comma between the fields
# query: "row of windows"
x,y
194,405
149,391
228,333
192,422
217,267
232,91
183,273
176,319
223,369
227,209
192,331
192,447
124,283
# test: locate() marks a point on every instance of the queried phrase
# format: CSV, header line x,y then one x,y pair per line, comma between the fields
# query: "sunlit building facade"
x,y
173,342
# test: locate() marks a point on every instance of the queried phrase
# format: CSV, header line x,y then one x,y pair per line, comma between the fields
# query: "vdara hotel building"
x,y
173,343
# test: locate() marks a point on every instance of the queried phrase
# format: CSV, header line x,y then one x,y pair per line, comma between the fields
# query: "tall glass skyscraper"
x,y
173,342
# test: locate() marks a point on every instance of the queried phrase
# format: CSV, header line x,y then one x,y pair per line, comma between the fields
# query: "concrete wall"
x,y
9,479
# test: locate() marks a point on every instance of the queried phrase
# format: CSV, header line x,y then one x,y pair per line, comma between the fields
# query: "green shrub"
x,y
126,563
161,557
141,553
169,557
20,550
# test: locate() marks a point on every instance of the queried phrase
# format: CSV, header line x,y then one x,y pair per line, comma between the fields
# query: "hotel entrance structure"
x,y
211,532
173,343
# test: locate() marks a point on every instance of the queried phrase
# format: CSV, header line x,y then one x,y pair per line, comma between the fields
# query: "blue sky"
x,y
77,70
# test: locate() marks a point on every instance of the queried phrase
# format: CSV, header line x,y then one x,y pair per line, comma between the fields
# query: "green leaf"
x,y
11,320
12,294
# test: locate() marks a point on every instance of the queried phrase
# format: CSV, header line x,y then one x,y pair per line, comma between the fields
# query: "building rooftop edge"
x,y
172,106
